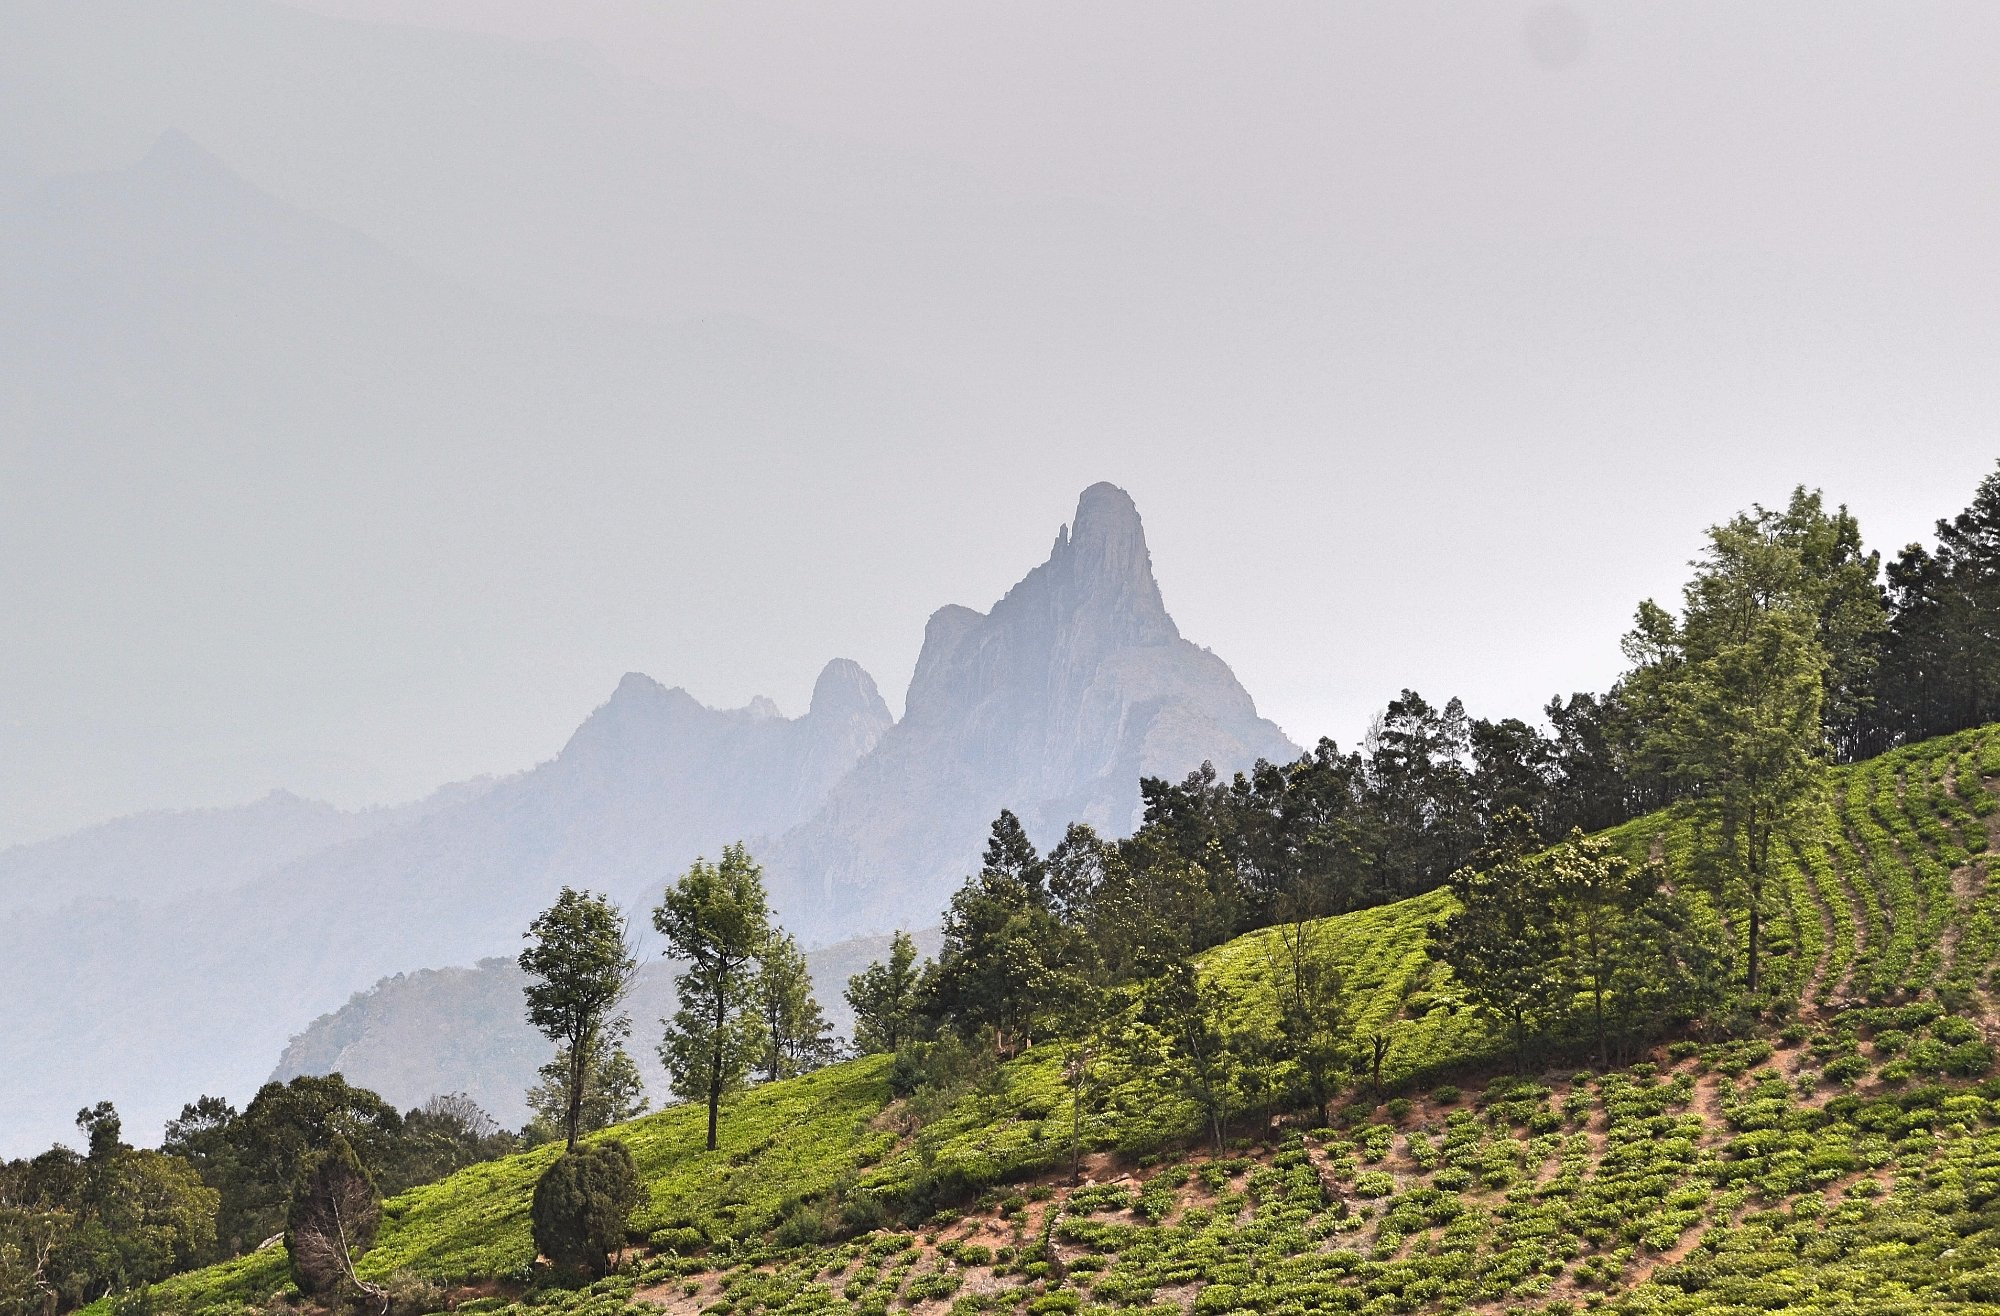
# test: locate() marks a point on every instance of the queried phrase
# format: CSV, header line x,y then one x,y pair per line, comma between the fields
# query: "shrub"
x,y
1446,1095
861,1213
677,1240
1968,1060
332,1219
580,1206
1952,1030
804,1224
411,1294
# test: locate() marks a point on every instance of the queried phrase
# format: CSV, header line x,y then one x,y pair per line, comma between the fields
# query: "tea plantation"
x,y
1843,1157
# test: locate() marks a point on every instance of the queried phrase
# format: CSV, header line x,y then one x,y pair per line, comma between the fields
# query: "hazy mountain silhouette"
x,y
1054,704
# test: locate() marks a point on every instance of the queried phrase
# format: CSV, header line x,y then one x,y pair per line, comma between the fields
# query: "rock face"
x,y
1053,704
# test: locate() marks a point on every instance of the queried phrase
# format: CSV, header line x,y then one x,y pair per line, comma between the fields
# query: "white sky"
x,y
1427,337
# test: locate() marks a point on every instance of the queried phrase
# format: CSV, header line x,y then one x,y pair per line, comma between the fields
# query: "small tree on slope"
x,y
583,967
716,919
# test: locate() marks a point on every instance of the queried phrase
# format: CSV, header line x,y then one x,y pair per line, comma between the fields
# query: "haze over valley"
x,y
187,949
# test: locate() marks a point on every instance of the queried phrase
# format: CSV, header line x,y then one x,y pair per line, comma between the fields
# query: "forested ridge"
x,y
1678,1002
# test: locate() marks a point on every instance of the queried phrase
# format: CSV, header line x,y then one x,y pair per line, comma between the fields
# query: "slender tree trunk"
x,y
1078,1077
579,1056
715,1065
1755,927
1597,1009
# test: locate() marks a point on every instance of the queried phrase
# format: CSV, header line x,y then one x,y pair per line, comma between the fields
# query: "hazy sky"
x,y
1427,337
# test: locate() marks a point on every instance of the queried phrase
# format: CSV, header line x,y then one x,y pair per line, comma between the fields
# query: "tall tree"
x,y
1314,1026
1840,585
582,964
1002,945
1598,893
1187,1012
1504,943
884,998
1941,667
1421,792
1732,696
796,1035
717,920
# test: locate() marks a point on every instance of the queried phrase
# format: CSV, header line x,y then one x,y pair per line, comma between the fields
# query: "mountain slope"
x,y
1054,704
1829,1167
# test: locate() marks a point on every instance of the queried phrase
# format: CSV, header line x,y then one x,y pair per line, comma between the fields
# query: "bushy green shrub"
x,y
1968,1060
581,1205
677,1240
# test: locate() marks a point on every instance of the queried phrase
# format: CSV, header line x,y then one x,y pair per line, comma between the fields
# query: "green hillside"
x,y
1842,1157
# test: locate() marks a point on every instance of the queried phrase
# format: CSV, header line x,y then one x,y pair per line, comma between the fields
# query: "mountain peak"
x,y
636,685
1099,568
1106,511
845,689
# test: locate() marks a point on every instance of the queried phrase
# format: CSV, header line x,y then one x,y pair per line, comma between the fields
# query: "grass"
x,y
1850,1163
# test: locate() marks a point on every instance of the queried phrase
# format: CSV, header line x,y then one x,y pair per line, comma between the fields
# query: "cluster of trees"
x,y
1575,939
1788,653
746,1005
745,1009
77,1225
1939,667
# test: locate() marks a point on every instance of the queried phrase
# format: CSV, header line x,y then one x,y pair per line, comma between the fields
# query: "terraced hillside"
x,y
1843,1158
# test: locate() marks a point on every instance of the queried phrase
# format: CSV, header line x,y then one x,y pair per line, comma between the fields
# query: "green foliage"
x,y
254,1159
613,1091
717,920
1941,667
1000,968
884,998
582,967
1731,697
796,1037
1531,1192
581,1206
331,1221
113,1220
1504,943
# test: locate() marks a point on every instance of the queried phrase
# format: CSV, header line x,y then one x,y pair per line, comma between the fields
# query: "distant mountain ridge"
x,y
1053,704
172,854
